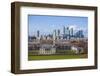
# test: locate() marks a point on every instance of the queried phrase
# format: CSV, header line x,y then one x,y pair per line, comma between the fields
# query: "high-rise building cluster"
x,y
67,33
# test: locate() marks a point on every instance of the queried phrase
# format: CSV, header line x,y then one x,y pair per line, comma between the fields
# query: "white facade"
x,y
44,51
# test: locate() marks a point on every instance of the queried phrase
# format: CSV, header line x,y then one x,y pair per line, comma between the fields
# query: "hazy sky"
x,y
46,24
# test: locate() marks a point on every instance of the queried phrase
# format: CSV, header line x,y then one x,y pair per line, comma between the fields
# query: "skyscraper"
x,y
64,30
54,37
71,32
38,33
58,32
67,33
79,34
54,34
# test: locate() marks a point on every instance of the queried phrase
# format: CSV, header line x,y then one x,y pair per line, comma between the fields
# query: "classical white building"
x,y
46,49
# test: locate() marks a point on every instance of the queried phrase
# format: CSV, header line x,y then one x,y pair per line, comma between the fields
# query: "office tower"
x,y
54,34
81,34
67,33
54,37
38,33
58,32
58,36
64,30
71,32
77,34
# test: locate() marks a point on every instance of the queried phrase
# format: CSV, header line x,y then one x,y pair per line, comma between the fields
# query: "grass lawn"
x,y
53,57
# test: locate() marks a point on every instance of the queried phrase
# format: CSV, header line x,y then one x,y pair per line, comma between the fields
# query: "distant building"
x,y
38,33
54,35
64,30
67,31
47,49
57,42
58,32
79,34
66,35
71,32
76,49
31,38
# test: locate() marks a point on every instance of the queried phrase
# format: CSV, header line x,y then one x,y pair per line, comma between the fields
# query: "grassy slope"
x,y
51,57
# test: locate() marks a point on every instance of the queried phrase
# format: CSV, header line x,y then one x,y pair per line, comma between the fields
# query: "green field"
x,y
53,57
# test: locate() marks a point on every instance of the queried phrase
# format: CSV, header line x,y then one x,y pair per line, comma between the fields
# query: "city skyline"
x,y
47,24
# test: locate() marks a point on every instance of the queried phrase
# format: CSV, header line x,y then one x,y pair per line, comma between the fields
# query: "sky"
x,y
46,24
